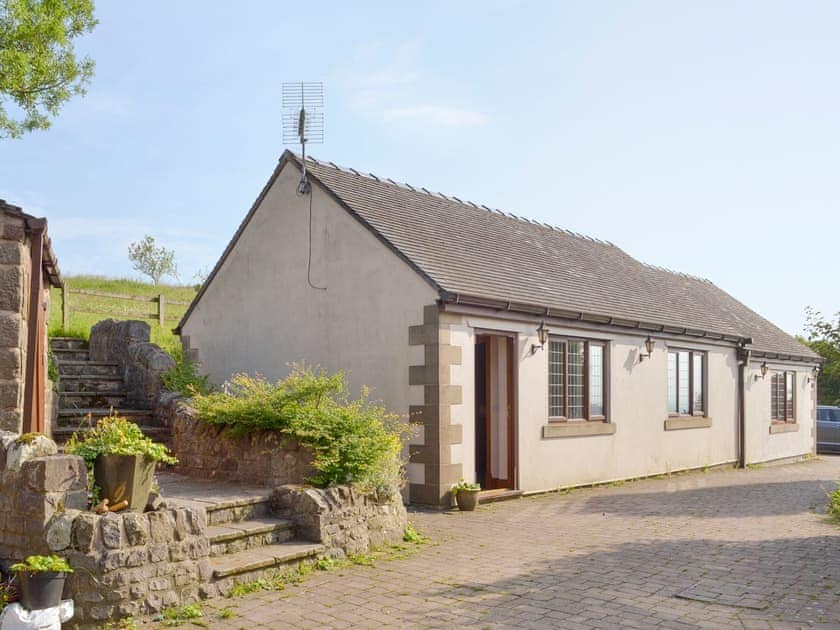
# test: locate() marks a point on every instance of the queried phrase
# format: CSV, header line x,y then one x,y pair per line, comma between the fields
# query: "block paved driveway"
x,y
721,549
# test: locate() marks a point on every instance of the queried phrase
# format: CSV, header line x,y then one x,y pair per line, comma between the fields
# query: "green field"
x,y
86,310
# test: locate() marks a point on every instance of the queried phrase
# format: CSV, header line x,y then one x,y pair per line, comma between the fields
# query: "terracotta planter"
x,y
40,590
125,477
467,500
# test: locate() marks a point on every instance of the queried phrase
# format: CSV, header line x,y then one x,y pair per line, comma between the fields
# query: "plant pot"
x,y
40,590
467,500
125,477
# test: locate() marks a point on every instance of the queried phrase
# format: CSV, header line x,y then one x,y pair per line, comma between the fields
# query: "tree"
x,y
824,338
39,70
152,260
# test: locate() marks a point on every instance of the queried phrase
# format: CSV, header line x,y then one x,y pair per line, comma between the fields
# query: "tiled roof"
x,y
470,250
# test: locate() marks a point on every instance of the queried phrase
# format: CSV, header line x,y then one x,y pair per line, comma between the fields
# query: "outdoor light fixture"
x,y
815,374
542,334
763,369
649,344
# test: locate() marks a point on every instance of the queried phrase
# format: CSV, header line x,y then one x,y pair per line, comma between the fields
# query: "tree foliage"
x,y
39,70
152,260
824,338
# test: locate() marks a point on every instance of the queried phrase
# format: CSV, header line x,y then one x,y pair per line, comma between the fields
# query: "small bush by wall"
x,y
353,442
207,451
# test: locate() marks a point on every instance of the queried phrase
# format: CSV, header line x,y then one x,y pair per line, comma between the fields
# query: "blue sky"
x,y
700,137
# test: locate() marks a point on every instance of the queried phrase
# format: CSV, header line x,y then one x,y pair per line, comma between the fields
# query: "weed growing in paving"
x,y
227,613
123,624
178,616
833,509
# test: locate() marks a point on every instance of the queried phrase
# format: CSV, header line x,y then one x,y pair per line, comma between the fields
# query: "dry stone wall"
x,y
125,564
141,362
342,518
267,458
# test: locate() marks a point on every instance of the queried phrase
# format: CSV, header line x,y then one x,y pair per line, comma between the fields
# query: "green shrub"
x,y
115,435
185,378
834,505
353,441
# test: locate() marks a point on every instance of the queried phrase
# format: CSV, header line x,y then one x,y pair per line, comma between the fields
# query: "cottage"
x,y
532,357
28,268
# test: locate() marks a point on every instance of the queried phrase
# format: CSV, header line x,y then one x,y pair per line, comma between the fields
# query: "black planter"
x,y
125,477
40,590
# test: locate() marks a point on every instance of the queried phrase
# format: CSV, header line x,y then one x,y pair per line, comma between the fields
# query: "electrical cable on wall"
x,y
309,261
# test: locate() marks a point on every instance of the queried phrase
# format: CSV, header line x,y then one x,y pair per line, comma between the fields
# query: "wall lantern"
x,y
649,345
542,334
763,369
815,375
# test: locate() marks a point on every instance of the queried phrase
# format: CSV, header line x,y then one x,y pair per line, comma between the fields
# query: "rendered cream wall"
x,y
762,446
638,403
259,314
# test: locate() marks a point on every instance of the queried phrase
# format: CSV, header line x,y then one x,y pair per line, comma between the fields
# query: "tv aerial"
x,y
303,120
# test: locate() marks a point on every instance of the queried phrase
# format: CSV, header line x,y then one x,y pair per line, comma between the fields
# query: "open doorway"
x,y
494,412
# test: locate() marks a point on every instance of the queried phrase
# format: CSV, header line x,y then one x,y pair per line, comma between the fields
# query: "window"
x,y
686,379
576,373
782,408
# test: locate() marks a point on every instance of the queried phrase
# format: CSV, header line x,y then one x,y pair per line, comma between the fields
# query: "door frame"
x,y
512,481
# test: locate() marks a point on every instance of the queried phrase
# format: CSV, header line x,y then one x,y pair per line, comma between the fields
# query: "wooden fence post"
x,y
65,307
161,306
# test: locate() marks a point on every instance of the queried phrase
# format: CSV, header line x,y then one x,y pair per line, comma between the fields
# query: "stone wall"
x,y
341,518
141,362
35,485
126,563
208,451
15,268
130,564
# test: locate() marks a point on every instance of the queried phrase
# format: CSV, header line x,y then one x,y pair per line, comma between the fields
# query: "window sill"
x,y
677,423
784,427
577,429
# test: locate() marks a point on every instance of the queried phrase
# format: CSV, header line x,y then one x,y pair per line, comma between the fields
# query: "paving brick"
x,y
599,558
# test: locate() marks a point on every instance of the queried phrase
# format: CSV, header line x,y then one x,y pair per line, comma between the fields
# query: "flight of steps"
x,y
88,390
248,541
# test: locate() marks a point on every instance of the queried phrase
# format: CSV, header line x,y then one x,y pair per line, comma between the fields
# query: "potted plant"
x,y
41,581
121,460
466,495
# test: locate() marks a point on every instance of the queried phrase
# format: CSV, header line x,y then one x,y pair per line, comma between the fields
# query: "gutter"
x,y
542,312
744,355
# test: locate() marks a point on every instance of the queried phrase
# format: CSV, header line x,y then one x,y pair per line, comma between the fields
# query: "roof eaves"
x,y
593,318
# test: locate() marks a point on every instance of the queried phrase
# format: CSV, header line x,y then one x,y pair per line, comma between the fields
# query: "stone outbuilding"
x,y
28,269
531,357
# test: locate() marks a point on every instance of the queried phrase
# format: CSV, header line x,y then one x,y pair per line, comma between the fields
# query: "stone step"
x,y
94,399
87,368
67,343
244,564
238,510
238,536
63,355
89,383
78,416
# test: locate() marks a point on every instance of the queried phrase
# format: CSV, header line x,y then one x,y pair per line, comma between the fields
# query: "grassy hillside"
x,y
86,310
